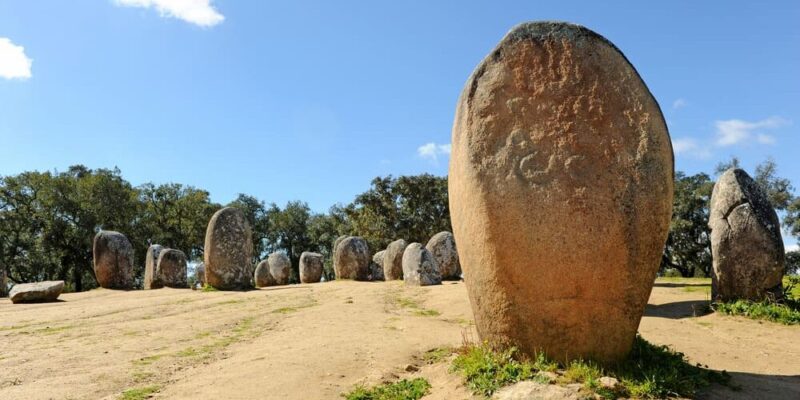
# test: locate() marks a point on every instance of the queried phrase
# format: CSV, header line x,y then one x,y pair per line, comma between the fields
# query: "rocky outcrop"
x,y
419,266
113,260
37,292
351,259
746,244
393,260
443,247
263,278
200,274
311,266
560,191
228,251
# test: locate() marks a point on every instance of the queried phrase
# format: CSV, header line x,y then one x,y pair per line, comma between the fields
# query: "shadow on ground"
x,y
753,386
678,309
679,284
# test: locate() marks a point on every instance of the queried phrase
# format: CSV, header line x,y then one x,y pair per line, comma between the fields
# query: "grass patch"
x,y
438,354
140,393
209,288
141,376
787,313
402,390
148,360
697,288
426,312
415,307
650,371
289,310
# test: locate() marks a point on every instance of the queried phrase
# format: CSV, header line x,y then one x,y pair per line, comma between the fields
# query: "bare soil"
x,y
317,341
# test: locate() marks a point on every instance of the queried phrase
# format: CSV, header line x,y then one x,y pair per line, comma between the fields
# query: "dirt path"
x,y
317,341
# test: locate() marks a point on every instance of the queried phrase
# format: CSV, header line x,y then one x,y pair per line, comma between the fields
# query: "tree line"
x,y
48,220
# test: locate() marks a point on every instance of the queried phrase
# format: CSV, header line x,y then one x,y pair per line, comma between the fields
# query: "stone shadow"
x,y
746,385
678,309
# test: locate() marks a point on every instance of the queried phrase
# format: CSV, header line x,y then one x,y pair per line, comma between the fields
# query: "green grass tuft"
x,y
433,356
403,390
650,371
787,313
140,393
209,288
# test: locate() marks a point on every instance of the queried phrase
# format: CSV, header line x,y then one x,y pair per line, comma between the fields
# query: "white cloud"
x,y
680,103
198,12
690,147
14,64
733,131
431,151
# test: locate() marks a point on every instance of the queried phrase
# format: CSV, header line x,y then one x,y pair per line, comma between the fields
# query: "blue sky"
x,y
312,99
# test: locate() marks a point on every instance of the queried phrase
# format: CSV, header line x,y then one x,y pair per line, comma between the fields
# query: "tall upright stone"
x,y
560,191
376,267
280,267
3,283
228,251
311,266
443,247
172,269
152,277
351,259
393,260
200,274
113,260
746,244
419,266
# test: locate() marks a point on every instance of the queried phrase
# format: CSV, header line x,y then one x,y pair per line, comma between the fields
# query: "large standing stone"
x,y
311,266
200,274
393,260
376,267
113,260
37,292
228,251
280,267
419,266
351,259
172,268
560,187
746,243
152,276
443,247
263,277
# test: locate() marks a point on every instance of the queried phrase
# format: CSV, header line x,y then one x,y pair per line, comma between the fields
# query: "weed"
x,y
787,312
433,356
209,288
426,313
402,390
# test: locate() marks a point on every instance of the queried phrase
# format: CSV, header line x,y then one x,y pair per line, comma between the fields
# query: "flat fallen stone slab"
x,y
37,292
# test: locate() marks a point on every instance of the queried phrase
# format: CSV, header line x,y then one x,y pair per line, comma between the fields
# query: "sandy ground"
x,y
318,341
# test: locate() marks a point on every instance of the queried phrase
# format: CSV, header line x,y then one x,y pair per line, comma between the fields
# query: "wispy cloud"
x,y
431,151
737,131
14,64
691,147
198,12
679,103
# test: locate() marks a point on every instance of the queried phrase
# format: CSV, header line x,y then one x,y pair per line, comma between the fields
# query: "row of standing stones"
x,y
560,190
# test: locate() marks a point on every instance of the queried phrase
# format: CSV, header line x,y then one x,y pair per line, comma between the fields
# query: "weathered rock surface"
x,y
376,267
280,267
200,274
530,390
228,251
152,277
443,247
393,260
172,268
560,190
113,260
311,265
351,259
36,292
746,243
263,277
419,266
